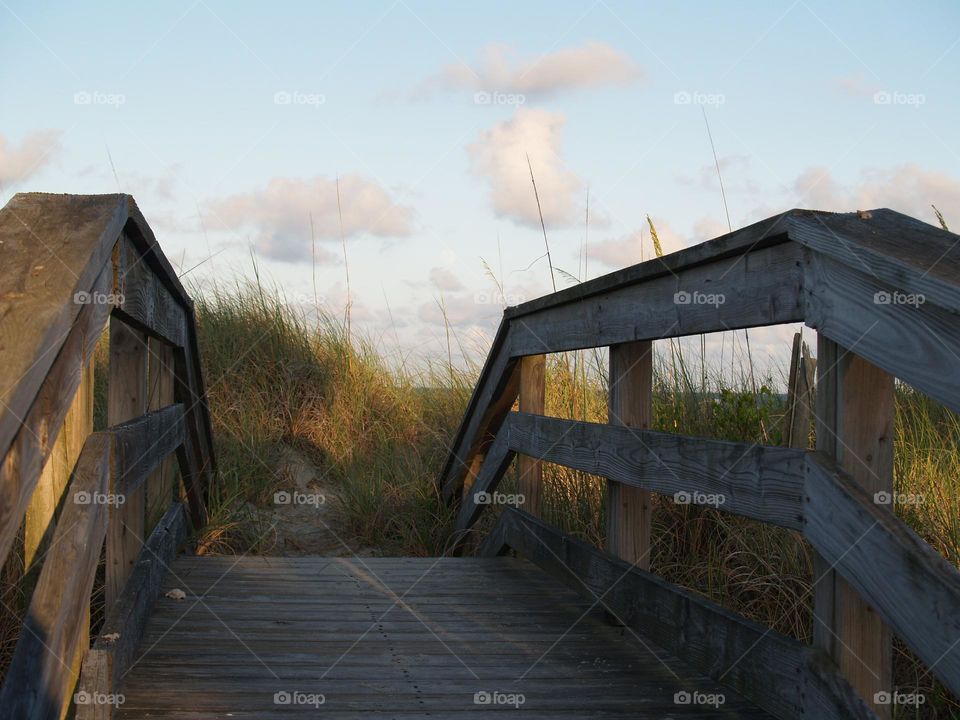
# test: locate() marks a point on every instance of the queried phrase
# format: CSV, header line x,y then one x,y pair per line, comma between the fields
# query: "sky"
x,y
235,126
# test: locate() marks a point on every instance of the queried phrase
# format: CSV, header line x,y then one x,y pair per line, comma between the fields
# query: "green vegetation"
x,y
378,436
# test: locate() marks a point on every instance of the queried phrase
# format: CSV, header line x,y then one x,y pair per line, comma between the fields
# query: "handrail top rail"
x,y
852,237
54,246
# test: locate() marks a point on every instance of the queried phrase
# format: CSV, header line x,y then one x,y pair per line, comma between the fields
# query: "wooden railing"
x,y
71,266
882,290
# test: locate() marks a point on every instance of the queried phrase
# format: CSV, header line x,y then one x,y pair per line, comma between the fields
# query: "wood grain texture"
x,y
762,287
39,523
126,399
782,675
533,396
756,481
895,249
109,660
629,508
40,677
144,443
861,430
51,248
497,460
163,483
400,655
911,586
21,466
892,335
493,396
146,302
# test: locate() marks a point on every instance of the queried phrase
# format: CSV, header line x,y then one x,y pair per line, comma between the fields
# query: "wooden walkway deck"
x,y
398,638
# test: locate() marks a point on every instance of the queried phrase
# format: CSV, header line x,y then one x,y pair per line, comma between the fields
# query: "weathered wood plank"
x,y
763,287
21,466
144,442
782,675
40,676
163,482
759,235
108,660
52,247
39,524
533,378
194,457
498,459
909,584
863,444
126,399
145,300
425,656
756,481
896,250
630,403
844,305
493,396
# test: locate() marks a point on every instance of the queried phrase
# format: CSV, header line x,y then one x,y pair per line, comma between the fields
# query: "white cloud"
x,y
907,188
500,154
17,164
280,214
443,279
594,64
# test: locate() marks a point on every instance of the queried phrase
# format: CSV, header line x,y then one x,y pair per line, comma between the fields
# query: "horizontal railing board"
x,y
39,428
914,589
919,344
109,660
756,481
787,678
765,233
761,287
37,681
893,248
143,443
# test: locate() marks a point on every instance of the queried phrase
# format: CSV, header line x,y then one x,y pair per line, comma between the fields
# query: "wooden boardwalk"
x,y
464,637
397,638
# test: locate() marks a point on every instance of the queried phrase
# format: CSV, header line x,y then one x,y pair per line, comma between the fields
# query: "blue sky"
x,y
229,123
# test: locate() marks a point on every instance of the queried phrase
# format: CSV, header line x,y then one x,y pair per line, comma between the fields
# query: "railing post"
x,y
126,399
533,372
629,509
855,426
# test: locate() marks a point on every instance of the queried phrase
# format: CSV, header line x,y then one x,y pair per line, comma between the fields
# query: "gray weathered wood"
x,y
108,660
892,336
782,675
21,466
756,481
39,678
146,302
909,584
492,398
630,403
764,287
144,442
51,248
495,464
418,658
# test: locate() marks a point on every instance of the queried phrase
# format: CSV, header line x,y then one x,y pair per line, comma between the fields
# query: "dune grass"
x,y
379,436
